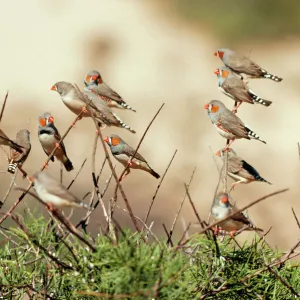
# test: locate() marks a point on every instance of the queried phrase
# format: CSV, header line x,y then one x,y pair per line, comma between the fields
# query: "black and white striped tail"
x,y
253,135
123,124
259,178
12,167
259,100
126,106
268,75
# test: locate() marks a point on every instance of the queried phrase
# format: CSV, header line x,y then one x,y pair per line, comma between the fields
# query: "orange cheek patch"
x,y
43,122
221,54
224,200
214,109
225,74
88,78
115,141
100,80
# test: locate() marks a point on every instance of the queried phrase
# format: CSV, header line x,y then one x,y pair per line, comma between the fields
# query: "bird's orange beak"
x,y
51,119
216,53
218,153
206,106
106,139
224,199
88,78
53,88
217,71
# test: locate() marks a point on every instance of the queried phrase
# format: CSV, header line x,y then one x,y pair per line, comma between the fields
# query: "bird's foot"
x,y
57,145
84,110
232,233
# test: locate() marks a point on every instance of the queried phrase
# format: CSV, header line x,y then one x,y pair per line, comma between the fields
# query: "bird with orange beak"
x,y
122,153
235,88
222,208
50,137
228,124
239,170
95,84
240,64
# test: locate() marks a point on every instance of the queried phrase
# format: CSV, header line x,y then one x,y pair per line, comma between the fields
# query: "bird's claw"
x,y
57,145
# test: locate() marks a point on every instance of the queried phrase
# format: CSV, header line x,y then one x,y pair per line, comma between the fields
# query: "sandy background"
x,y
150,57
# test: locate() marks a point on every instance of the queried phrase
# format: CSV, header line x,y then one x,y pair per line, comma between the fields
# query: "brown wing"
x,y
237,88
234,165
242,64
130,151
104,90
240,217
230,122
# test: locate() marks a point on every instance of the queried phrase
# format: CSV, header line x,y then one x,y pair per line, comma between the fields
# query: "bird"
x,y
17,159
235,88
95,84
89,104
239,170
228,124
50,137
5,141
221,208
122,153
240,64
54,194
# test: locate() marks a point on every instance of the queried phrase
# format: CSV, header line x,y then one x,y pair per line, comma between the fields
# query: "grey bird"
x,y
89,103
240,64
17,159
239,170
5,141
221,208
95,84
54,194
49,138
228,124
122,153
237,89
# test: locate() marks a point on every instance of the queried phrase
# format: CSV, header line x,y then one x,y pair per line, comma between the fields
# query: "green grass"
x,y
133,269
235,21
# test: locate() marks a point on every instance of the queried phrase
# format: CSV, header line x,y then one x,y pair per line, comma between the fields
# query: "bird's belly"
x,y
226,135
238,178
231,225
75,106
48,142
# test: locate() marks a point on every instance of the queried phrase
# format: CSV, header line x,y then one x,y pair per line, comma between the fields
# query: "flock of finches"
x,y
97,101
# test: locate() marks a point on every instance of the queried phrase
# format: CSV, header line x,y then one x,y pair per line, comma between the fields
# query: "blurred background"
x,y
154,52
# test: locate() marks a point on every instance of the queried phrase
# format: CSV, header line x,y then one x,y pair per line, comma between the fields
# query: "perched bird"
x,y
239,170
89,103
221,208
240,64
50,137
54,194
17,159
237,89
228,124
95,84
5,141
122,153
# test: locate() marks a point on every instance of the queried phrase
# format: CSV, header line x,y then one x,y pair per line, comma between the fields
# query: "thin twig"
x,y
80,169
158,187
13,179
297,221
3,106
169,240
233,214
180,207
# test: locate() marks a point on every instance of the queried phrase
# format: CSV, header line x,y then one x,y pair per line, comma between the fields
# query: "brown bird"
x,y
222,208
17,159
240,64
5,141
95,84
91,105
122,153
240,170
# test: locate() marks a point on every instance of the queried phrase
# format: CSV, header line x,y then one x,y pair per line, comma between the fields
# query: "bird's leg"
x,y
23,172
228,144
232,233
57,145
84,110
236,106
50,207
216,230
